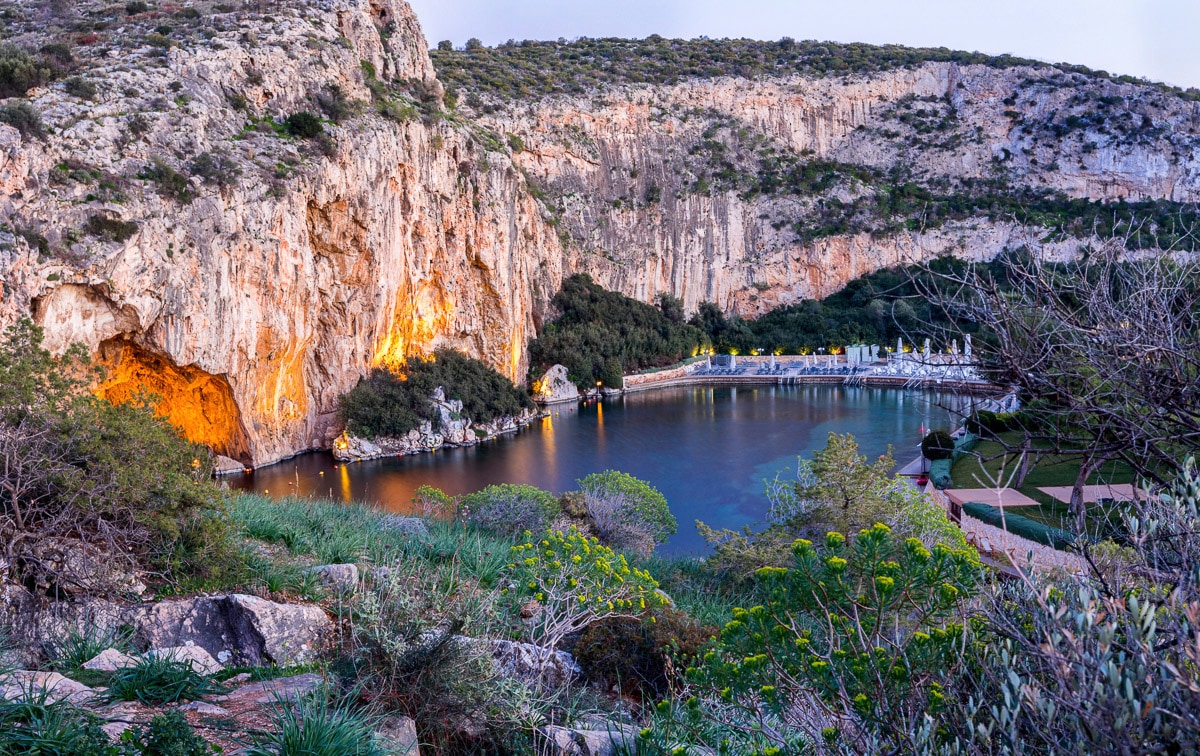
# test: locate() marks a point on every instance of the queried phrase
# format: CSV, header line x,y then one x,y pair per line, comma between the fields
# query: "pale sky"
x,y
1156,39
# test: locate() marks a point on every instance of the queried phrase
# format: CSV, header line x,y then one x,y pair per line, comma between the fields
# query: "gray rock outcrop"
x,y
237,629
555,387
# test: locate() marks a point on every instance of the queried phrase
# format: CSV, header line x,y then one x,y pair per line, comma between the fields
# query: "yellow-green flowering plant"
x,y
862,629
575,581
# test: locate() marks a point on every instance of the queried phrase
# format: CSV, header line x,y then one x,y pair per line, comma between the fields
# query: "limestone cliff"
x,y
168,218
253,306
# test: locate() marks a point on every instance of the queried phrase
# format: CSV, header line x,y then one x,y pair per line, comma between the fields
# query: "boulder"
x,y
109,660
413,526
272,691
398,736
27,684
204,707
223,465
554,387
532,664
281,634
244,629
348,448
339,578
194,656
564,741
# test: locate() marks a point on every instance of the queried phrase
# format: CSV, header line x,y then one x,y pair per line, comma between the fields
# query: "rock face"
x,y
555,387
244,630
251,288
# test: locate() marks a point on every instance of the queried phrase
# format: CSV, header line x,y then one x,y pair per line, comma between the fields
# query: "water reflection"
x,y
707,449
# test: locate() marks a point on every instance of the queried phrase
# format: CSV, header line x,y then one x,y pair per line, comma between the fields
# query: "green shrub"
x,y
386,403
159,680
19,72
171,183
167,734
135,7
1020,525
334,103
216,168
31,725
639,658
861,628
627,512
110,229
510,508
937,445
77,86
24,118
577,582
304,125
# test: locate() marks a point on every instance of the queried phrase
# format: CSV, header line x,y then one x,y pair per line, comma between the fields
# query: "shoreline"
x,y
876,381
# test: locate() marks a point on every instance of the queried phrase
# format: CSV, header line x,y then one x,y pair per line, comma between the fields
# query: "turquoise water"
x,y
709,450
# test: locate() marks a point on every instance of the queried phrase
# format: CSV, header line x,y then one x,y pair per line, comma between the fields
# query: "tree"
x,y
1105,349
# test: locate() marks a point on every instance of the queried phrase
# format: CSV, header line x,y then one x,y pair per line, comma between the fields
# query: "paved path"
x,y
996,497
1093,494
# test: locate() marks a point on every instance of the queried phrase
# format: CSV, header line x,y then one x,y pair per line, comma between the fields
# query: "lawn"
x,y
983,467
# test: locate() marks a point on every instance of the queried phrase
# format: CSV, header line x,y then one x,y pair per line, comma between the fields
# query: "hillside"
x,y
244,206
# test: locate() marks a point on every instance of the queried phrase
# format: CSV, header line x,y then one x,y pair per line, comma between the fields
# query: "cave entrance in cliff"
x,y
199,404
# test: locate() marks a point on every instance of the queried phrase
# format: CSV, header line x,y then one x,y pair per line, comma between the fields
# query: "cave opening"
x,y
199,404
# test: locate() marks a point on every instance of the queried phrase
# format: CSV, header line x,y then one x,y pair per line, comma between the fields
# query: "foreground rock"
x,y
195,657
612,740
398,736
109,660
529,663
238,629
26,684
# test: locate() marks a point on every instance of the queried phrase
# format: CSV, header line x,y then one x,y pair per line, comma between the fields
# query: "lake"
x,y
708,449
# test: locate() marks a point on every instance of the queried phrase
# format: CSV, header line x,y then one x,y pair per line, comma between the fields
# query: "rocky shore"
x,y
454,429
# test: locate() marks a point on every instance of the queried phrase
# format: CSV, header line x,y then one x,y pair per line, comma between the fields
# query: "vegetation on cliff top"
x,y
599,335
530,69
388,403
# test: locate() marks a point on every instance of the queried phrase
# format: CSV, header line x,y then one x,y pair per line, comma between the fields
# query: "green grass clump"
x,y
314,726
160,680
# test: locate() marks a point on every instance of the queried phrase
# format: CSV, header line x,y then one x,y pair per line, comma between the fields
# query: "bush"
x,y
857,627
158,680
627,512
19,72
304,125
110,229
1020,525
576,582
77,646
24,118
386,403
334,103
77,86
31,724
171,183
219,168
937,445
135,7
640,658
167,734
315,727
510,508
